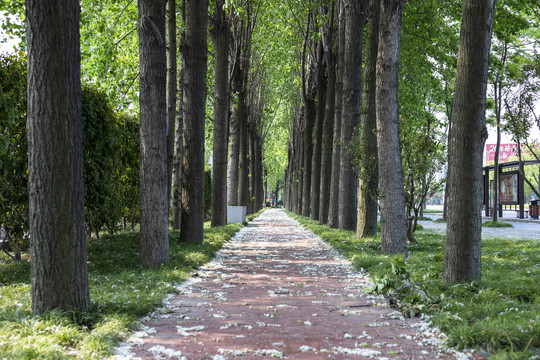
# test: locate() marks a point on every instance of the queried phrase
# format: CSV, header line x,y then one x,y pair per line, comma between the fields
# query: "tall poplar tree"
x,y
220,36
59,272
355,20
392,197
462,257
333,210
195,58
154,240
368,168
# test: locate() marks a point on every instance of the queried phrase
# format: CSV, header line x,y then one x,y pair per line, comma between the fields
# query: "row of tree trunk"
x,y
357,163
58,251
322,179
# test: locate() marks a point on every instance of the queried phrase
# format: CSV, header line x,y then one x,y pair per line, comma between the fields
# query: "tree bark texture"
x,y
154,240
333,210
59,274
355,21
328,132
309,121
259,178
195,58
178,136
243,162
368,171
177,164
234,157
253,171
171,91
392,197
464,229
220,37
319,125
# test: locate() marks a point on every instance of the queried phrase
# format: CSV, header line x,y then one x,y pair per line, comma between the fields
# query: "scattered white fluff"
x,y
269,352
305,348
229,325
219,357
233,352
187,331
123,351
362,352
308,323
158,349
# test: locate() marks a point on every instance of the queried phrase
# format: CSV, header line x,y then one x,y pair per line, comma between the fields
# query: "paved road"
x,y
523,229
278,291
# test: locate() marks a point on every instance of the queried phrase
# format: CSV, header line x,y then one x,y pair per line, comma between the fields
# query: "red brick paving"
x,y
278,291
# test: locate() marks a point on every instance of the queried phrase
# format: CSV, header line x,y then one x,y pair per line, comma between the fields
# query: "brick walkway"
x,y
278,291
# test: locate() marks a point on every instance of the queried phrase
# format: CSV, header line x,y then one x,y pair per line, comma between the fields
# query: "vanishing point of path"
x,y
278,291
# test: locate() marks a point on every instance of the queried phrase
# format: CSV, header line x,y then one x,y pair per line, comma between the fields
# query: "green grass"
x,y
120,289
496,224
499,315
432,211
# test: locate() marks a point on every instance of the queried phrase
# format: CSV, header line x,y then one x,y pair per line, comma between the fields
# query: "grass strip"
x,y
121,291
499,316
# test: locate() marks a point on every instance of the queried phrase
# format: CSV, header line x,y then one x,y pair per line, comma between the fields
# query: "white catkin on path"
x,y
278,291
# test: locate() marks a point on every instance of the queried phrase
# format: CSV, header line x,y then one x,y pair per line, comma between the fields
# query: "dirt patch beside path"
x,y
278,291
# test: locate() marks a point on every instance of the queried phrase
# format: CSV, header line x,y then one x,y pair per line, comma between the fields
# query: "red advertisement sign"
x,y
508,188
507,152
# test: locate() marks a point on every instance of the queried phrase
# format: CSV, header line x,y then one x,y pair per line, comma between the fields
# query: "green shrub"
x,y
111,156
130,176
496,224
13,149
102,146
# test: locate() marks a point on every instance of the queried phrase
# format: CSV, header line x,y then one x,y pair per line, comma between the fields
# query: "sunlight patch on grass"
x,y
120,289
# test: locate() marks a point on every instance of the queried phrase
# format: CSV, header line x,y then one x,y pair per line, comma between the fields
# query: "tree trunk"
x,y
194,109
328,132
259,195
177,165
153,133
309,120
392,197
326,157
355,20
178,138
495,205
59,272
333,211
171,91
368,171
319,128
299,176
253,172
243,163
234,157
220,37
464,230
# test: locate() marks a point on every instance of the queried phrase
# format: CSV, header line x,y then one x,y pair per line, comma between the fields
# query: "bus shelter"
x,y
511,188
